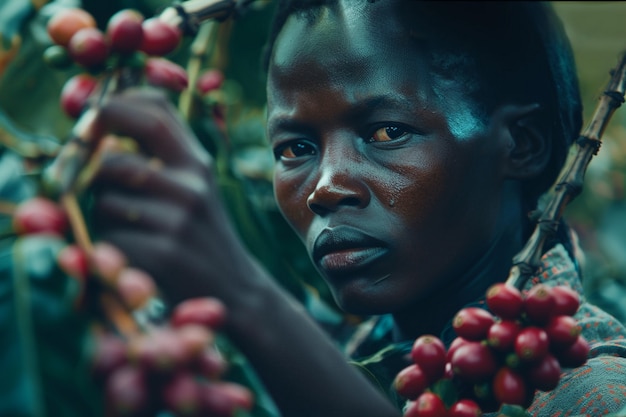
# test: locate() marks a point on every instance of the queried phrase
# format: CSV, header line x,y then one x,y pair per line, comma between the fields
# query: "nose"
x,y
340,184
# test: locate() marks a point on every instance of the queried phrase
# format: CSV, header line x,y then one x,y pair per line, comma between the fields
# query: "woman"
x,y
411,141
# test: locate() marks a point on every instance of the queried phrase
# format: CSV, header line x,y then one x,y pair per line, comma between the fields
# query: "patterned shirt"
x,y
594,389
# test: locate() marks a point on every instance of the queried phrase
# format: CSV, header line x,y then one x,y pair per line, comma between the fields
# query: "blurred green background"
x,y
598,35
29,93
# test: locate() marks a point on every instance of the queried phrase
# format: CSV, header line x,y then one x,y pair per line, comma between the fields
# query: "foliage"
x,y
45,343
48,360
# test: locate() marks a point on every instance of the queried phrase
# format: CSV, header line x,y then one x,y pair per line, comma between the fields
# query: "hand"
x,y
160,206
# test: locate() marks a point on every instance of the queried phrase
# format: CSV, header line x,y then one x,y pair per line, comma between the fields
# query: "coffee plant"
x,y
143,363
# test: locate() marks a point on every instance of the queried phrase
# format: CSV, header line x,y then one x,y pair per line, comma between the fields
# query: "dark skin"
x,y
417,201
398,209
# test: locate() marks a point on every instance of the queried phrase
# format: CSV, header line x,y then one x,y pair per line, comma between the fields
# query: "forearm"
x,y
301,367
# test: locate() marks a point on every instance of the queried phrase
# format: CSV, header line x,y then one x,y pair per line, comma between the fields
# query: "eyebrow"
x,y
371,104
358,109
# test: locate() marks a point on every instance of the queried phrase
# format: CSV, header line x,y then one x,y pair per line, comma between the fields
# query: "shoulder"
x,y
599,386
605,333
596,388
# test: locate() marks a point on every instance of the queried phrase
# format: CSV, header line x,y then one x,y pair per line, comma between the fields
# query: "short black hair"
x,y
502,51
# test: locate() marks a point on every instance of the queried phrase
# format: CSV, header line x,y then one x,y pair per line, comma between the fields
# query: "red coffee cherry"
x,y
464,408
88,47
159,352
126,391
566,300
161,72
502,335
505,301
411,382
472,323
135,287
66,22
124,31
209,364
448,372
427,405
456,343
539,304
75,94
73,261
562,331
531,344
207,311
575,355
545,374
430,354
110,353
40,215
223,399
159,38
509,387
194,338
474,362
210,80
181,394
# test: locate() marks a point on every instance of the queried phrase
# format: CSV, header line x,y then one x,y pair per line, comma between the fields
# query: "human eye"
x,y
293,149
388,133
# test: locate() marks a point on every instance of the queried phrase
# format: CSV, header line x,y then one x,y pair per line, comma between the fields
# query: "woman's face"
x,y
382,168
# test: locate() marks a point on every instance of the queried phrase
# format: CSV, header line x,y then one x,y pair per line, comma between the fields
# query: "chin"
x,y
361,304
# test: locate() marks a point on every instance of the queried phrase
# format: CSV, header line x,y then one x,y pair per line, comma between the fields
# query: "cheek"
x,y
291,196
414,186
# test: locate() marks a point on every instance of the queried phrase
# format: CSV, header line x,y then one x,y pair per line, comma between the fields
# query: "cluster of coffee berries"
x,y
128,40
42,216
143,372
172,367
499,357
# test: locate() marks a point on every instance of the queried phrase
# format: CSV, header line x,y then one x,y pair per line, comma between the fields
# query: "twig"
x,y
188,15
77,222
111,304
199,49
570,181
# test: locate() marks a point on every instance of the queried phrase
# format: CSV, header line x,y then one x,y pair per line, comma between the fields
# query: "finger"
x,y
138,175
153,253
114,209
149,118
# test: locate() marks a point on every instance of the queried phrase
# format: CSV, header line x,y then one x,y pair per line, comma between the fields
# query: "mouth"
x,y
344,249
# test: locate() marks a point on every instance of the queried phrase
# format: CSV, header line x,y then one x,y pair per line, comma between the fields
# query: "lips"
x,y
345,248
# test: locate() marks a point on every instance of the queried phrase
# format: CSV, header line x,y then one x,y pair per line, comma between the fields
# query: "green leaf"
x,y
241,371
446,390
13,13
29,88
43,340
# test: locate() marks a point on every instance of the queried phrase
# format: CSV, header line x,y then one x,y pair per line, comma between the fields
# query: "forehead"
x,y
345,46
359,50
344,32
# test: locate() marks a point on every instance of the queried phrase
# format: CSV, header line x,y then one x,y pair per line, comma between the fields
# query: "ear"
x,y
529,140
